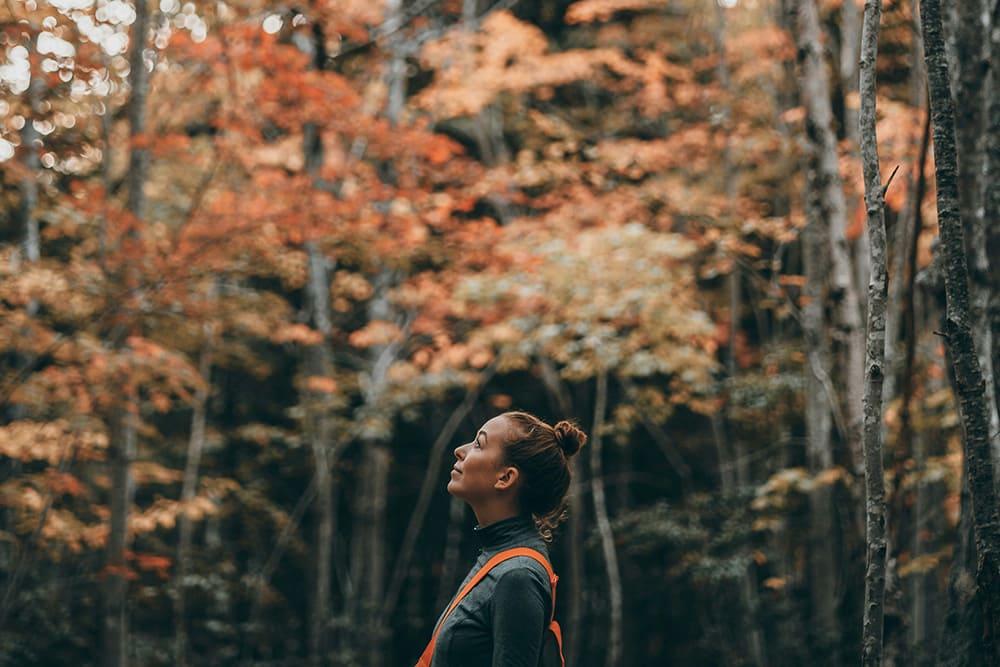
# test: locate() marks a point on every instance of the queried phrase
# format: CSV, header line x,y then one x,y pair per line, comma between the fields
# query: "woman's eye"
x,y
479,445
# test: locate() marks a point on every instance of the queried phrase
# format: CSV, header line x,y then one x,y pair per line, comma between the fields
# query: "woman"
x,y
514,475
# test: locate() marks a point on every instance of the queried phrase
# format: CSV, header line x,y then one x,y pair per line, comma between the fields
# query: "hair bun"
x,y
569,438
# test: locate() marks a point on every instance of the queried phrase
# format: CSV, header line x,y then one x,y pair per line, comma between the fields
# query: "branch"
x,y
427,488
424,36
659,436
885,188
261,578
8,602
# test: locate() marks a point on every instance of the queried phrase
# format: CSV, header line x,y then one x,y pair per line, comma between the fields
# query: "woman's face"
x,y
479,464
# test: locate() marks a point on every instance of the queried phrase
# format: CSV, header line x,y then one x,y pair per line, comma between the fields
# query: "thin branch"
x,y
885,188
427,488
67,460
660,437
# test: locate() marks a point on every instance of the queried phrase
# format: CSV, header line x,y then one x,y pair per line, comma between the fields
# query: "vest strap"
x,y
428,654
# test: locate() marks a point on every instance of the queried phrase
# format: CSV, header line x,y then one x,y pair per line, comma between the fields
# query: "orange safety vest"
x,y
428,654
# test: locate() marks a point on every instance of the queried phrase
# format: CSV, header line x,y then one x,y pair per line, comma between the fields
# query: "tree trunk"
x,y
430,482
28,186
122,442
850,43
959,646
375,631
818,426
574,613
970,126
991,200
875,561
573,627
319,432
189,486
138,164
121,452
832,212
909,438
958,336
825,251
319,438
452,551
614,655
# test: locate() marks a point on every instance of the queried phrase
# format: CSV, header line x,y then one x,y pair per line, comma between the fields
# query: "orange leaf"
x,y
321,384
857,226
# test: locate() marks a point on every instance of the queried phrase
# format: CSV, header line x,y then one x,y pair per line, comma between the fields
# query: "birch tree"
x,y
614,655
824,259
189,487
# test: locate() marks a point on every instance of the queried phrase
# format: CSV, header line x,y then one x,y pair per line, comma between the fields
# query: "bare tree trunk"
x,y
573,628
818,428
430,482
875,562
102,221
850,42
908,436
452,551
28,185
319,623
909,227
377,457
396,76
121,452
196,444
970,124
825,259
850,45
832,212
614,655
319,431
138,90
991,201
122,442
958,336
574,614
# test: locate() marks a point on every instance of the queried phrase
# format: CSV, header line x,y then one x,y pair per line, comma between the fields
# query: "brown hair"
x,y
541,452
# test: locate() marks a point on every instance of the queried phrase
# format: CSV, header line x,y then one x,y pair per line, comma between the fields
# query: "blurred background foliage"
x,y
264,265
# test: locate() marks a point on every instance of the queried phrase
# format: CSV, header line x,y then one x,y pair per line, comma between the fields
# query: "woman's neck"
x,y
494,513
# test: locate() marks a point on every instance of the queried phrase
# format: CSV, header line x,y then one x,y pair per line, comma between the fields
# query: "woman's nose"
x,y
460,452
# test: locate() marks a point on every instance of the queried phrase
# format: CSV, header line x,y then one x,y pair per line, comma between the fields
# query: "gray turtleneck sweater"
x,y
501,621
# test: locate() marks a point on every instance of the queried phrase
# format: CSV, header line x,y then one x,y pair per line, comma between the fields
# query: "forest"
x,y
265,265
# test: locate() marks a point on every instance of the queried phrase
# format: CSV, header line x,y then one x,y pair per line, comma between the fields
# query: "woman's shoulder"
x,y
522,571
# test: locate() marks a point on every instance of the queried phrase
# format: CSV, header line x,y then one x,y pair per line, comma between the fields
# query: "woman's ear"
x,y
507,478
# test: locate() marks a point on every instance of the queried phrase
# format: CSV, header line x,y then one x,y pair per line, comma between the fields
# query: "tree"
x,y
875,531
958,335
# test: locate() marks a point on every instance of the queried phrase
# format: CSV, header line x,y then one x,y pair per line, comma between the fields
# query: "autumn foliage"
x,y
356,220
